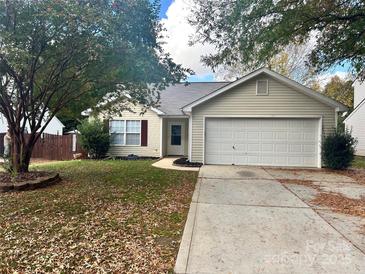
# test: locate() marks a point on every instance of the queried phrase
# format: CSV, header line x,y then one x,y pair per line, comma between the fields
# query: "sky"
x,y
174,15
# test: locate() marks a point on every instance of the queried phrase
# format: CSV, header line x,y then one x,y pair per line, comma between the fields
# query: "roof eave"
x,y
361,104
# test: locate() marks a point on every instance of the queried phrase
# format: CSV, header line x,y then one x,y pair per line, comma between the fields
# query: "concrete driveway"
x,y
242,220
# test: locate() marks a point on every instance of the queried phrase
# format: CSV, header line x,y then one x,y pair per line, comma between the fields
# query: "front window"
x,y
125,132
133,134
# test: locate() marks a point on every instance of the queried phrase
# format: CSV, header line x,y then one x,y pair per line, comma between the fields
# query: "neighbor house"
x,y
54,127
263,118
355,122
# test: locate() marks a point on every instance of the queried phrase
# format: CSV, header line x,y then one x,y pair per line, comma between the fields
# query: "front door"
x,y
175,135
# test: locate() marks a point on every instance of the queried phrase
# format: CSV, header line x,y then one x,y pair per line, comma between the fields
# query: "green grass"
x,y
112,216
359,162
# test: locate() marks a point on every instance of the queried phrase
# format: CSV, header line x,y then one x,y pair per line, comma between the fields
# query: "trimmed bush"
x,y
94,138
338,150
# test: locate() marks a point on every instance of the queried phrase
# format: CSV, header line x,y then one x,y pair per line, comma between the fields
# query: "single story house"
x,y
54,127
262,118
355,122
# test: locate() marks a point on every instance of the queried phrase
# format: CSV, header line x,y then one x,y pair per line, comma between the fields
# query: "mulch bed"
x,y
184,162
6,177
27,181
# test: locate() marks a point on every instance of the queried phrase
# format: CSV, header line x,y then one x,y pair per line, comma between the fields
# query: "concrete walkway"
x,y
167,163
242,220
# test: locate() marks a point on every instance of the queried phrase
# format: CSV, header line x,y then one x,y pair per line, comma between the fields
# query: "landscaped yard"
x,y
105,216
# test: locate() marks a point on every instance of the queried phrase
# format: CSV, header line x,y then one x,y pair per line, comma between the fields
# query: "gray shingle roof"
x,y
174,97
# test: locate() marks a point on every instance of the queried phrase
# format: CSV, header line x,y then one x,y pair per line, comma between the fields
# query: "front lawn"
x,y
106,216
359,162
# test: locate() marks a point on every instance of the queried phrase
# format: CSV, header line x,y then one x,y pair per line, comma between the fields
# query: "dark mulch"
x,y
132,157
6,177
186,163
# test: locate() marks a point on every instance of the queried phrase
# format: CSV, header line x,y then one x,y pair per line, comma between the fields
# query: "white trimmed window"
x,y
262,87
125,132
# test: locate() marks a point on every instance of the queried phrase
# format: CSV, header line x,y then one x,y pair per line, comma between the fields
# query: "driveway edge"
x,y
184,249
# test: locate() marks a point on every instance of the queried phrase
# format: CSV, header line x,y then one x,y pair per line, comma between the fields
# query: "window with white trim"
x,y
262,87
125,132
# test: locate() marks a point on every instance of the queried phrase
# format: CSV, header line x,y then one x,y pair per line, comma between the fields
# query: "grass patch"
x,y
105,216
359,162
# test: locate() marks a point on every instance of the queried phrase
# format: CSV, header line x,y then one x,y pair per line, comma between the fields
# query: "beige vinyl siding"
x,y
153,146
242,100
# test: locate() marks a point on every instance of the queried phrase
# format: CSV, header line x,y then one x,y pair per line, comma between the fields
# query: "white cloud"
x,y
176,42
178,34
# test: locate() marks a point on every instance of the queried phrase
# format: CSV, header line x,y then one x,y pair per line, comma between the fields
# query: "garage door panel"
x,y
310,136
295,160
281,148
267,148
267,135
254,148
281,135
266,141
295,148
253,135
253,160
295,136
280,160
310,148
310,161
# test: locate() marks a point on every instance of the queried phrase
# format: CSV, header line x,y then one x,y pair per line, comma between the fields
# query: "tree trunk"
x,y
21,154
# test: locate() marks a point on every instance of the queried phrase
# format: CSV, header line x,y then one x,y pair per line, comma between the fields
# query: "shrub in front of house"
x,y
339,150
94,138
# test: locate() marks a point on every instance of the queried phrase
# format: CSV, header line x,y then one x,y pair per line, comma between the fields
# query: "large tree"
x,y
53,52
251,32
292,62
341,90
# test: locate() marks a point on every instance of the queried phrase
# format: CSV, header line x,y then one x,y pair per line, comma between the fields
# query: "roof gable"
x,y
174,97
359,106
315,95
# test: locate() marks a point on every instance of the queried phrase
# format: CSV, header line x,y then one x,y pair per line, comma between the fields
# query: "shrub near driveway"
x,y
338,150
112,216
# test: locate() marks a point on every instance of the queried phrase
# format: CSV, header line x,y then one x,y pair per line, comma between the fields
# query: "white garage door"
x,y
264,141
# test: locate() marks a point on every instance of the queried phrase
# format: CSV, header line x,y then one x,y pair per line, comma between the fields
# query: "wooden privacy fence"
x,y
52,147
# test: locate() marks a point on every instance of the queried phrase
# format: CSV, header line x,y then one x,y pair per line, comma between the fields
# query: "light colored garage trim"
x,y
161,137
319,117
319,165
190,136
307,91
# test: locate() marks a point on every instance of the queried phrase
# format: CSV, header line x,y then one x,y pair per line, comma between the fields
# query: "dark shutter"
x,y
106,125
144,133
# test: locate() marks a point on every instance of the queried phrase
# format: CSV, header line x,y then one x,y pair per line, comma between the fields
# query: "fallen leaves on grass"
x,y
104,218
